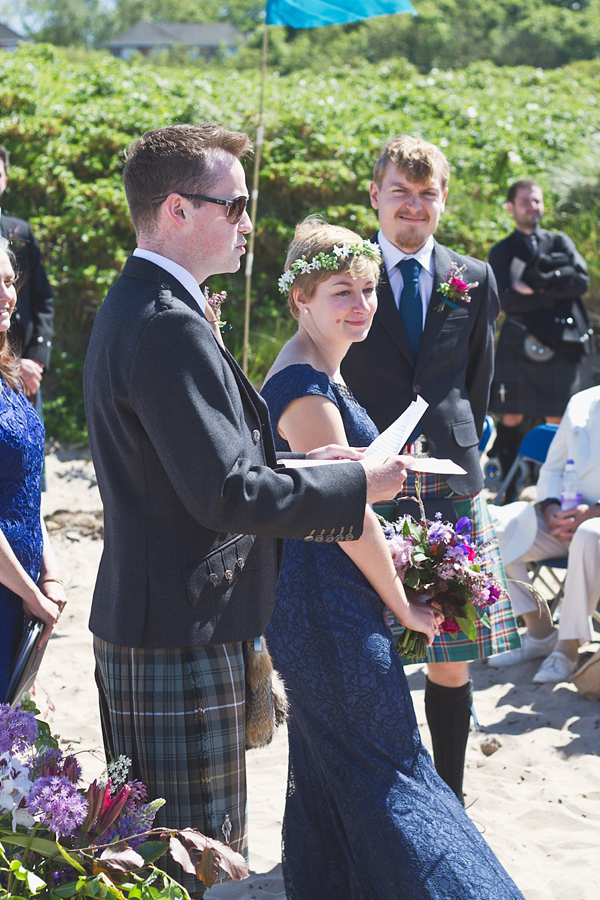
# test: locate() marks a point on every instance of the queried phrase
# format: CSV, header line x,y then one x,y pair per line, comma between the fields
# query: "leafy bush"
x,y
68,117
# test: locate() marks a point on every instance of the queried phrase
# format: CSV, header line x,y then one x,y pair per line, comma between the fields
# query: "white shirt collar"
x,y
392,255
182,275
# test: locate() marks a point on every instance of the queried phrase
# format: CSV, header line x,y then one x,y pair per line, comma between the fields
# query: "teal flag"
x,y
316,13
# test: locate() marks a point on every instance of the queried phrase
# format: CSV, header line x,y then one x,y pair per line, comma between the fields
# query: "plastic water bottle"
x,y
570,495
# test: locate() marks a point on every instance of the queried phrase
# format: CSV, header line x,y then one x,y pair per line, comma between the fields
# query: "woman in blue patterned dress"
x,y
30,584
367,817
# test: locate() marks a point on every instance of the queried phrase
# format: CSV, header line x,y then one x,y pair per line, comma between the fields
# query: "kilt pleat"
x,y
179,714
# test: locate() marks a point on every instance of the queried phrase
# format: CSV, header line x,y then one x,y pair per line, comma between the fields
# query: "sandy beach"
x,y
536,797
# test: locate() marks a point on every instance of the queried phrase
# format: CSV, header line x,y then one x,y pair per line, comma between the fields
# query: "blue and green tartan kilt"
x,y
179,714
503,634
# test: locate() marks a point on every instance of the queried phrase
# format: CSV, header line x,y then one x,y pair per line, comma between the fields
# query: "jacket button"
x,y
350,536
417,388
310,537
213,578
241,562
228,574
256,435
319,538
330,537
339,538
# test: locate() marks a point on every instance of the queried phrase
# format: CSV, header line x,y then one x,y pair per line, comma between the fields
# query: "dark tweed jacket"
x,y
453,371
186,467
33,321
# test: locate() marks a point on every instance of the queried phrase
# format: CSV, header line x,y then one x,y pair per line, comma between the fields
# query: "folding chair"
x,y
533,448
486,433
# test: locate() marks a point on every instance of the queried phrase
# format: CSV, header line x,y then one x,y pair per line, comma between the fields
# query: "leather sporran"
x,y
266,700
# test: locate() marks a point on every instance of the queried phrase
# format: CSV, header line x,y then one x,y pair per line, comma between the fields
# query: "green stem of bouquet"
x,y
412,644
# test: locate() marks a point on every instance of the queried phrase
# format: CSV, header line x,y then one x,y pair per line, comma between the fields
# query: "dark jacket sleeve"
x,y
195,423
480,369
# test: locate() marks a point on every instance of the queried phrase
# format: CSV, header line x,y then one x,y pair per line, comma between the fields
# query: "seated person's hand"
x,y
563,524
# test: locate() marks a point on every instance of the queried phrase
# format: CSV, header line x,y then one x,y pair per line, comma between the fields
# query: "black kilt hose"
x,y
533,387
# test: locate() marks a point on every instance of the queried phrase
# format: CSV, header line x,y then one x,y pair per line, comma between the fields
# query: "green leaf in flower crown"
x,y
467,627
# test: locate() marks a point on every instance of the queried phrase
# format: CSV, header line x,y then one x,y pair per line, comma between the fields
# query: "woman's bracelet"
x,y
48,578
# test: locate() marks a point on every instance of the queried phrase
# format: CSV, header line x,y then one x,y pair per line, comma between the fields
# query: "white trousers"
x,y
582,582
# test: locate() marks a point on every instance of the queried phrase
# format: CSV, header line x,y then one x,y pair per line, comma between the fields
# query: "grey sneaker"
x,y
531,648
557,667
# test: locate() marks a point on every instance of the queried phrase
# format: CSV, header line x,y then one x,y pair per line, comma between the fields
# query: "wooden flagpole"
x,y
254,202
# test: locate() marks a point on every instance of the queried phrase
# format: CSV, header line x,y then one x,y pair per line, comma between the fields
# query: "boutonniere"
x,y
215,301
454,290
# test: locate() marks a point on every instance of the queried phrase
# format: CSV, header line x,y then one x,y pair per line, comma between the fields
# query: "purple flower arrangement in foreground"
x,y
438,564
60,839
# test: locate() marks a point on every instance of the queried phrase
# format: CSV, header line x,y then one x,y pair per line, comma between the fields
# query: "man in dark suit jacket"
x,y
539,360
33,321
194,498
443,352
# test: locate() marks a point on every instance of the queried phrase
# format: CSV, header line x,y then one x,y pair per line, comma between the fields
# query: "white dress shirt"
x,y
392,256
182,275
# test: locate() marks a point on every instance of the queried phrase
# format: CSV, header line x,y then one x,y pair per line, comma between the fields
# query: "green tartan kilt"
x,y
503,634
179,714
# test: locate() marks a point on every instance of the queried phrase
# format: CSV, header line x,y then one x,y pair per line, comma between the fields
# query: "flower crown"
x,y
329,261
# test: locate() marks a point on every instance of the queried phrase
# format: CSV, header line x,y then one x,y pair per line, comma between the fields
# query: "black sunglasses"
x,y
235,208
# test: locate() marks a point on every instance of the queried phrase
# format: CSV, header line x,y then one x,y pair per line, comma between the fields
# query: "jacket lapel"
x,y
435,319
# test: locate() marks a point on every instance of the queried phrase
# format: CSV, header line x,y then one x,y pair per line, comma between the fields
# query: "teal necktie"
x,y
411,305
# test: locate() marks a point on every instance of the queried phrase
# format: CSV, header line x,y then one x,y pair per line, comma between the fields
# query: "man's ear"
x,y
374,194
174,207
510,209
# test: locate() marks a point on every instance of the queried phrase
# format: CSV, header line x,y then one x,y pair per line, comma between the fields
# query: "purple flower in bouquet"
x,y
58,803
18,729
438,564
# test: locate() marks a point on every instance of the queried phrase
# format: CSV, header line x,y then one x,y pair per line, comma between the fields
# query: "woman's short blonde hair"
x,y
314,236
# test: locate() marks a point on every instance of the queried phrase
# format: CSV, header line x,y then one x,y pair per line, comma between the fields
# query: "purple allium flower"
x,y
463,526
139,791
58,803
18,729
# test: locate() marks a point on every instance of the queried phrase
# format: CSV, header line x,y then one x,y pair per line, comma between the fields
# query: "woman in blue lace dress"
x,y
367,817
30,584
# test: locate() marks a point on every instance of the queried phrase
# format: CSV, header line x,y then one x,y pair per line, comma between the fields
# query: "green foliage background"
x,y
67,118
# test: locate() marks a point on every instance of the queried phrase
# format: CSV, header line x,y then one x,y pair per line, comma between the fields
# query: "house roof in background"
x,y
195,34
8,35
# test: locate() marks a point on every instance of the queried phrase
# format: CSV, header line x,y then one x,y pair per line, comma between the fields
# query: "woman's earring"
x,y
304,311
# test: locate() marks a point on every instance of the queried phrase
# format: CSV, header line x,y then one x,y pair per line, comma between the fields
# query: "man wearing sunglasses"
x,y
194,499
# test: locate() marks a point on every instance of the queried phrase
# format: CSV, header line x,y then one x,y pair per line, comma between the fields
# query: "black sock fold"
x,y
448,712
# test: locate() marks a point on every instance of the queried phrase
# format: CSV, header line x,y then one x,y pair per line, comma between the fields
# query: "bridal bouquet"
x,y
438,564
60,840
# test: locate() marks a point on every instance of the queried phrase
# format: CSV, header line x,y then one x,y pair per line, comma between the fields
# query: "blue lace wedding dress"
x,y
21,460
367,817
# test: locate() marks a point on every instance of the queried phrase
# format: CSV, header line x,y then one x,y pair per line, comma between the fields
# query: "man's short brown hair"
x,y
524,184
175,158
4,156
418,159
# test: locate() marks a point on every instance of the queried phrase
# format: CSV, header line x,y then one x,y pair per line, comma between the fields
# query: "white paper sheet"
x,y
418,464
391,441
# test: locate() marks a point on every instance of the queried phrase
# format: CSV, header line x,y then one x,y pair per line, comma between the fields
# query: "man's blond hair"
x,y
418,159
